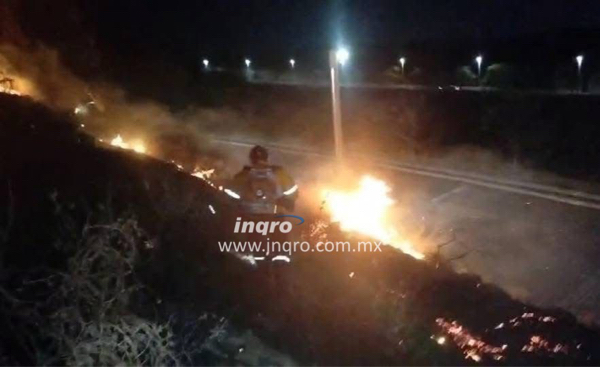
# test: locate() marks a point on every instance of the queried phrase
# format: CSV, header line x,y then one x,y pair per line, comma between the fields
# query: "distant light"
x,y
441,340
402,61
479,60
247,62
342,55
579,60
292,62
205,62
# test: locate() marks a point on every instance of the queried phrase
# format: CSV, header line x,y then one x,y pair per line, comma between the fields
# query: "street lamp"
x,y
479,60
205,63
336,58
402,62
292,63
342,55
579,60
247,62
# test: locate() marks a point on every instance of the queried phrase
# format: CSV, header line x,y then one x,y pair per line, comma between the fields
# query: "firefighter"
x,y
263,188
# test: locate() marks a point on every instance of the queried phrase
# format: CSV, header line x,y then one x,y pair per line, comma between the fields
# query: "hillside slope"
x,y
327,309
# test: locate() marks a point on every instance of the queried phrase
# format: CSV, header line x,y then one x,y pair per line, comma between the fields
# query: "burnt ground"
x,y
337,309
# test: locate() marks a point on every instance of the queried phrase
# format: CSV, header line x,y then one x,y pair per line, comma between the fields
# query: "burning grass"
x,y
365,210
137,146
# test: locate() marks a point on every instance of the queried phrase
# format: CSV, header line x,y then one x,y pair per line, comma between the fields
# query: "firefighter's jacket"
x,y
261,189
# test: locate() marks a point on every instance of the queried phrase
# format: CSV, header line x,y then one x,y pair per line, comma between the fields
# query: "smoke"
x,y
38,72
105,110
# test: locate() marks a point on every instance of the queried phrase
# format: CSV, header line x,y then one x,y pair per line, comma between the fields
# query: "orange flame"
x,y
366,211
137,146
203,174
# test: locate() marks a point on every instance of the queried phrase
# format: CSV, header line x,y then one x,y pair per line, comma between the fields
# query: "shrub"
x,y
81,315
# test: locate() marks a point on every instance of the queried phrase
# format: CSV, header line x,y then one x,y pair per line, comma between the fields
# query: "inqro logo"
x,y
265,227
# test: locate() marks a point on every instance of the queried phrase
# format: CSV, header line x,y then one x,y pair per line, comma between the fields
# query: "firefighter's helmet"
x,y
259,154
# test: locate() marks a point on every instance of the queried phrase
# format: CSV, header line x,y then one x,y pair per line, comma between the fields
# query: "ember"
x,y
530,316
471,346
537,343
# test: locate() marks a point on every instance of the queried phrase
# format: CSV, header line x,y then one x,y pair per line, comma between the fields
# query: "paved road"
x,y
542,251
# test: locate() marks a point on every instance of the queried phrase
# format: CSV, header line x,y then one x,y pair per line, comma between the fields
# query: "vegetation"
x,y
118,264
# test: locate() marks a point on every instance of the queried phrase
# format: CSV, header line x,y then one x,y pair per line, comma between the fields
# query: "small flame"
x,y
118,142
7,85
365,211
8,90
136,146
16,84
203,174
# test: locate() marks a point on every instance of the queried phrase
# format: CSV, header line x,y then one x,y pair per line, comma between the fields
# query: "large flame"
x,y
366,211
137,146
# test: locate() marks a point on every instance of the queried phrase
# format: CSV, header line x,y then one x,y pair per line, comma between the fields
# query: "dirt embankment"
x,y
359,309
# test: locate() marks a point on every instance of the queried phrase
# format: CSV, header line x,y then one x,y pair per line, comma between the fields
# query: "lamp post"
x,y
337,58
402,62
579,60
479,60
292,63
247,62
205,63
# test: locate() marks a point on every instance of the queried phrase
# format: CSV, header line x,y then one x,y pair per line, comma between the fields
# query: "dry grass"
x,y
82,316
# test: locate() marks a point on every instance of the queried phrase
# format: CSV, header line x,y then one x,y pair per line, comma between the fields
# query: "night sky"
x,y
255,26
440,32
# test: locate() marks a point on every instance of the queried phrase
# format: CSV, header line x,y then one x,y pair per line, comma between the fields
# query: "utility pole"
x,y
334,66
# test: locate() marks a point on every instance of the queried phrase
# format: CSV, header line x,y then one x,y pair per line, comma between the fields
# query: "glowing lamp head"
x,y
342,55
292,62
579,60
479,60
205,63
402,61
247,62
